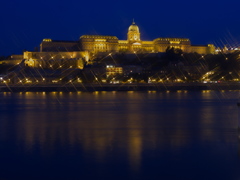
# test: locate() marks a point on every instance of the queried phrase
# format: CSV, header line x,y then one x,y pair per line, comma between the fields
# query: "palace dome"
x,y
133,27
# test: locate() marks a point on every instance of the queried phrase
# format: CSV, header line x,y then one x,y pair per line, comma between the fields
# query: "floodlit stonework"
x,y
75,53
134,44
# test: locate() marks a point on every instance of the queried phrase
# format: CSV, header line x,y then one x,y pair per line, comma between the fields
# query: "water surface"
x,y
119,135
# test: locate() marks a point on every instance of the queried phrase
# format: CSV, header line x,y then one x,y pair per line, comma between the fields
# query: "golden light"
x,y
79,80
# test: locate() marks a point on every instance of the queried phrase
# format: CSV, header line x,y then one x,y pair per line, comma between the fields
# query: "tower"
x,y
133,33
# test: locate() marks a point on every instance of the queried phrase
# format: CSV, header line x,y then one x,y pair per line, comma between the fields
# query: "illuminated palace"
x,y
134,44
89,45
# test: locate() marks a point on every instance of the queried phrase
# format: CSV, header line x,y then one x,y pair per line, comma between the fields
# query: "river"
x,y
119,135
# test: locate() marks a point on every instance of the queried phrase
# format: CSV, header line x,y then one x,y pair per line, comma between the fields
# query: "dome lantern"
x,y
133,32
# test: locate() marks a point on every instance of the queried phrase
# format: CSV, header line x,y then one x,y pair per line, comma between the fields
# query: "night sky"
x,y
25,23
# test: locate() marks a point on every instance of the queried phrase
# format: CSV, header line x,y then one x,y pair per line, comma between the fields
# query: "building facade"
x,y
95,44
77,52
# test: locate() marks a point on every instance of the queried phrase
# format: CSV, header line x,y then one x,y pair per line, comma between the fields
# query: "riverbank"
x,y
71,87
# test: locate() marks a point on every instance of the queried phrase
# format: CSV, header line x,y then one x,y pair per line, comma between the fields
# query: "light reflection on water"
x,y
133,132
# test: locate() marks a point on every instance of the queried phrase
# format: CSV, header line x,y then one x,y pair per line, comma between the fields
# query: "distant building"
x,y
74,53
97,43
113,70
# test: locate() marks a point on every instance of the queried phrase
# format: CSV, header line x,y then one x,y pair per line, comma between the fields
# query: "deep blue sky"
x,y
25,23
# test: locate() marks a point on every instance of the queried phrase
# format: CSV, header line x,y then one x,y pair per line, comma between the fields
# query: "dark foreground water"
x,y
119,135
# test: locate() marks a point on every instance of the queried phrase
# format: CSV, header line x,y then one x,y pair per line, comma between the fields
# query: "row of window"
x,y
171,39
98,37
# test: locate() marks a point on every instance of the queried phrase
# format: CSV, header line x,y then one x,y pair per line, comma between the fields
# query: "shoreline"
x,y
73,87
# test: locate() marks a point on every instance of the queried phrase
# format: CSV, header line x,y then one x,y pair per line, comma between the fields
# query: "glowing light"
x,y
47,40
174,42
79,80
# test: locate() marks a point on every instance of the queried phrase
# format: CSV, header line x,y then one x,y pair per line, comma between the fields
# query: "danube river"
x,y
188,135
